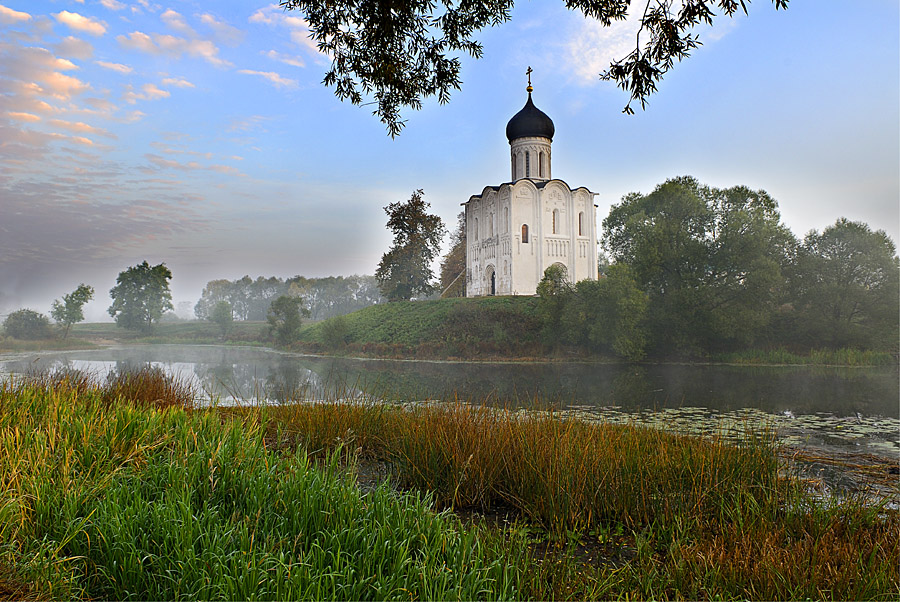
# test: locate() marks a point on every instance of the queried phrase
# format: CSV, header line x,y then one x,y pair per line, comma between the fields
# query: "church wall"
x,y
488,244
497,245
525,210
558,243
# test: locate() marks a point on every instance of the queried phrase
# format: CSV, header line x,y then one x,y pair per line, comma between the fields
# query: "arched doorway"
x,y
490,281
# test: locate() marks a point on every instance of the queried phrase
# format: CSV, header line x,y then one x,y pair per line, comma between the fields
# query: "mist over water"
x,y
851,408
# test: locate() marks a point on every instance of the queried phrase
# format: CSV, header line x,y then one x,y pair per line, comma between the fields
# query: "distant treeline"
x,y
323,297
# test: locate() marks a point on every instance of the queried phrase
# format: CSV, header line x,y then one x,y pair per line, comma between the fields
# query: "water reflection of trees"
x,y
281,381
842,391
251,374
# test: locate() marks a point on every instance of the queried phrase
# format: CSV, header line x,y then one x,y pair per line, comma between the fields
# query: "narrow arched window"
x,y
541,164
506,219
524,232
556,221
581,223
476,229
513,161
527,164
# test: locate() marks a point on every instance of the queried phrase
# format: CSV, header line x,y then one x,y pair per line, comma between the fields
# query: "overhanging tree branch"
x,y
396,53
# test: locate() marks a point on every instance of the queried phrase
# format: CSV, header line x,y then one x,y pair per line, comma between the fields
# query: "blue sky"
x,y
198,133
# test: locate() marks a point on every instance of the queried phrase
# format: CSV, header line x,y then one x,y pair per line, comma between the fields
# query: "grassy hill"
x,y
486,326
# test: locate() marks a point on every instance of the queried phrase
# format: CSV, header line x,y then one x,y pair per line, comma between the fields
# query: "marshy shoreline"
x,y
268,503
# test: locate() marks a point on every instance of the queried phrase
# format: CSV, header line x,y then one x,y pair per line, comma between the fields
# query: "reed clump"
x,y
696,518
565,474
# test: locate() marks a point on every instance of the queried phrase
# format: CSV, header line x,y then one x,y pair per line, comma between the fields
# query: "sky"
x,y
199,134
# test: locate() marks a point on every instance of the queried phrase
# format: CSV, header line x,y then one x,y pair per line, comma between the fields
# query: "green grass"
x,y
9,344
185,332
114,500
817,357
119,490
487,326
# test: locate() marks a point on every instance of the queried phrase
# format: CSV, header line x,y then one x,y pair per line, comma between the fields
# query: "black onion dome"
x,y
530,122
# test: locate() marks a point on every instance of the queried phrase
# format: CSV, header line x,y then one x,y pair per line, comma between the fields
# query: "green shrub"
x,y
27,324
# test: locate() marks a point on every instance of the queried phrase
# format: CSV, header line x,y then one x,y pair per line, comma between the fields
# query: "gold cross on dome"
x,y
528,73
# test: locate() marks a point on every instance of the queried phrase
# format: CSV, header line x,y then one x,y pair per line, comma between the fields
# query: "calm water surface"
x,y
848,409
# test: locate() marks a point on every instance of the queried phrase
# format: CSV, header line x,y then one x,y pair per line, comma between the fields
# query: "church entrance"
x,y
491,277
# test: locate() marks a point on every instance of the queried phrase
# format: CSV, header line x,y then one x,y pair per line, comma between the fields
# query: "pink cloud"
x,y
172,46
9,16
81,23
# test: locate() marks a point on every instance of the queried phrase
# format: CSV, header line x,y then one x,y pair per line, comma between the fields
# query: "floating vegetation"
x,y
861,434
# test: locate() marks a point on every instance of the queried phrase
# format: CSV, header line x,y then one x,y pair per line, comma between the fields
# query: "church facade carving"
x,y
520,228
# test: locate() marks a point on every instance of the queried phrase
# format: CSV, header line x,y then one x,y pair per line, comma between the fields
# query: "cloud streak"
x,y
117,67
164,44
274,78
81,23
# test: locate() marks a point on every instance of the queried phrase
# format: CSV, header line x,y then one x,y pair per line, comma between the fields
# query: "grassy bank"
x,y
118,490
184,332
482,327
11,345
815,357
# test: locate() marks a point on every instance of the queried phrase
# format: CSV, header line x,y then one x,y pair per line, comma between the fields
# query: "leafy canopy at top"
x,y
141,296
395,53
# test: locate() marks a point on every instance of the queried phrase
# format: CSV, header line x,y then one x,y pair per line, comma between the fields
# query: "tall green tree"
x,y
71,310
285,318
405,270
709,259
399,53
847,287
453,266
141,296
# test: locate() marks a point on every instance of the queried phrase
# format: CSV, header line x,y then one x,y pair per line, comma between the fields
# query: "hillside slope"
x,y
485,326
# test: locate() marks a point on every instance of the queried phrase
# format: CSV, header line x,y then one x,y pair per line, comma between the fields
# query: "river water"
x,y
849,410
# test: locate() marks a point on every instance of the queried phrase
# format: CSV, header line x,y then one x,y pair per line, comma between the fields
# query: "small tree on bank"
x,y
141,296
222,315
70,311
27,324
405,270
285,318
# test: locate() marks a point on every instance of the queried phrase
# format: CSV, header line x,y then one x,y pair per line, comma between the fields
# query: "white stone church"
x,y
518,229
